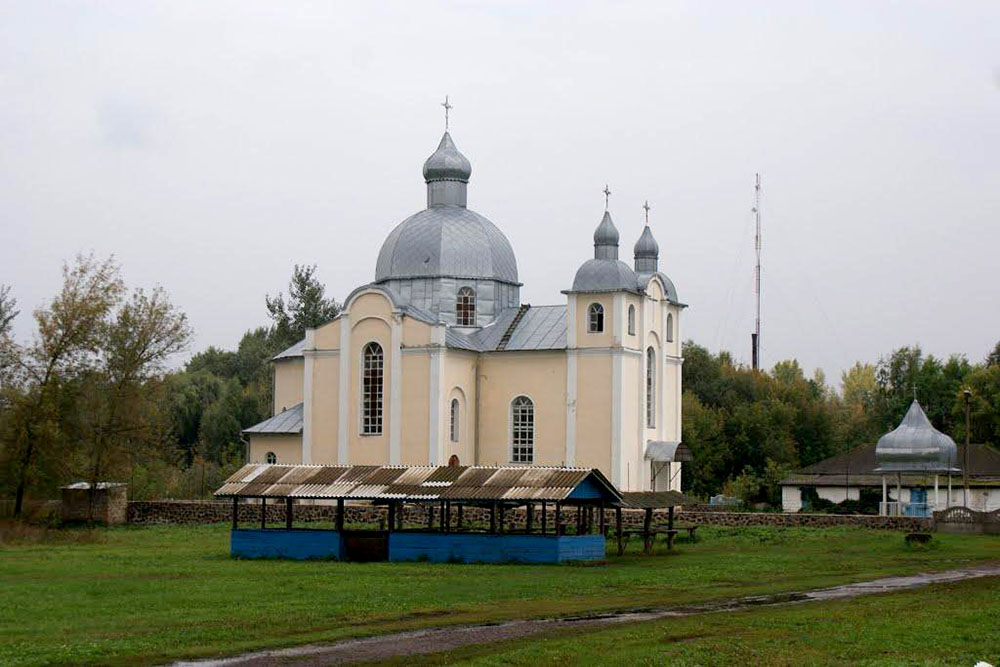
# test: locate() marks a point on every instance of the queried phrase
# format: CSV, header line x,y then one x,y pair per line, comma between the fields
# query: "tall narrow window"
x,y
271,457
650,388
595,318
522,427
371,394
670,327
631,320
454,420
465,309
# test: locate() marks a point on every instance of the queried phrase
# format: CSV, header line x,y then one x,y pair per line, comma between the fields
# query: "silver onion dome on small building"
x,y
432,255
915,446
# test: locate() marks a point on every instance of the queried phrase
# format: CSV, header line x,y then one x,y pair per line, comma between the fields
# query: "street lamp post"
x,y
965,457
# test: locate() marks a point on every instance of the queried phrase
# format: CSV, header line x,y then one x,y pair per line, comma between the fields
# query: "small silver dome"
x,y
446,241
647,247
915,445
605,275
447,163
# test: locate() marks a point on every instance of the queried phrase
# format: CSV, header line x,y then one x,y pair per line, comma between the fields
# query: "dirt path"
x,y
445,639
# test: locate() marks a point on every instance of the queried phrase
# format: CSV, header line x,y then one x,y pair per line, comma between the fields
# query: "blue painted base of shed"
x,y
294,544
481,548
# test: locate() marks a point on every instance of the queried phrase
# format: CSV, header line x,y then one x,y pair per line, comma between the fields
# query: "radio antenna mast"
x,y
755,336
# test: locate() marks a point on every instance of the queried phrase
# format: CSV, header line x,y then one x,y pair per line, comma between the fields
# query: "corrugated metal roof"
x,y
540,328
287,421
508,483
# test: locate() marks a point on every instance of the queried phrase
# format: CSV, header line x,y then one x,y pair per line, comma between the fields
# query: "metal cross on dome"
x,y
646,208
607,195
447,107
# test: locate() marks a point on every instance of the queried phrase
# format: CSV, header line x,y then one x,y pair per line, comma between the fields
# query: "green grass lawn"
x,y
142,594
946,624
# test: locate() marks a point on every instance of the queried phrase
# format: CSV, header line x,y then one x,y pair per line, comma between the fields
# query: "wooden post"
x,y
340,515
503,512
442,520
493,518
236,513
392,516
618,530
263,512
601,521
430,516
461,509
400,511
288,513
544,504
559,526
670,527
579,519
529,517
647,546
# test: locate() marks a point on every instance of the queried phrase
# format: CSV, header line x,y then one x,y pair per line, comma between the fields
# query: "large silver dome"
x,y
436,256
446,241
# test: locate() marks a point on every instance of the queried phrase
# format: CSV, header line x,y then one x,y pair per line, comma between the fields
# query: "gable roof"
x,y
416,483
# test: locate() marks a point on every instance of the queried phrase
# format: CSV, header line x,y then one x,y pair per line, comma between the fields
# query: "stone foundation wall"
x,y
214,511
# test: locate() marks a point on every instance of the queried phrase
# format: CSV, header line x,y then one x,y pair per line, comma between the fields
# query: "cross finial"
x,y
607,195
646,208
447,107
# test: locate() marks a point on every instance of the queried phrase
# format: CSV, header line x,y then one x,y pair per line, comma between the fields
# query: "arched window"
x,y
522,430
371,390
670,327
465,308
454,420
270,457
595,318
650,388
631,320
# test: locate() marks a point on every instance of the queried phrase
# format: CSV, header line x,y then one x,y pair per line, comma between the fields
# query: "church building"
x,y
438,362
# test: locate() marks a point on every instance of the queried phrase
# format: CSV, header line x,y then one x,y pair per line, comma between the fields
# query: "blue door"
x,y
918,503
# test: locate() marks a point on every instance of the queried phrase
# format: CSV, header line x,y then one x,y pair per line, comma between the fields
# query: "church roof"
x,y
291,351
285,422
538,328
605,275
446,241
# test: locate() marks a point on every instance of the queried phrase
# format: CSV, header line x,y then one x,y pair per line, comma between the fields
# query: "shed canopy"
x,y
915,446
420,483
667,451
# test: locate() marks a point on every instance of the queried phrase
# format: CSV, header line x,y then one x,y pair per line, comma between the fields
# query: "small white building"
x,y
856,472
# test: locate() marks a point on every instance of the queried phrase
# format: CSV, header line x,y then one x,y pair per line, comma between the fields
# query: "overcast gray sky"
x,y
212,145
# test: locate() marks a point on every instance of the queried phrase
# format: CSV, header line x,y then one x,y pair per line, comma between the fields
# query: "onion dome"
x,y
915,446
446,240
647,252
447,164
605,273
606,239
